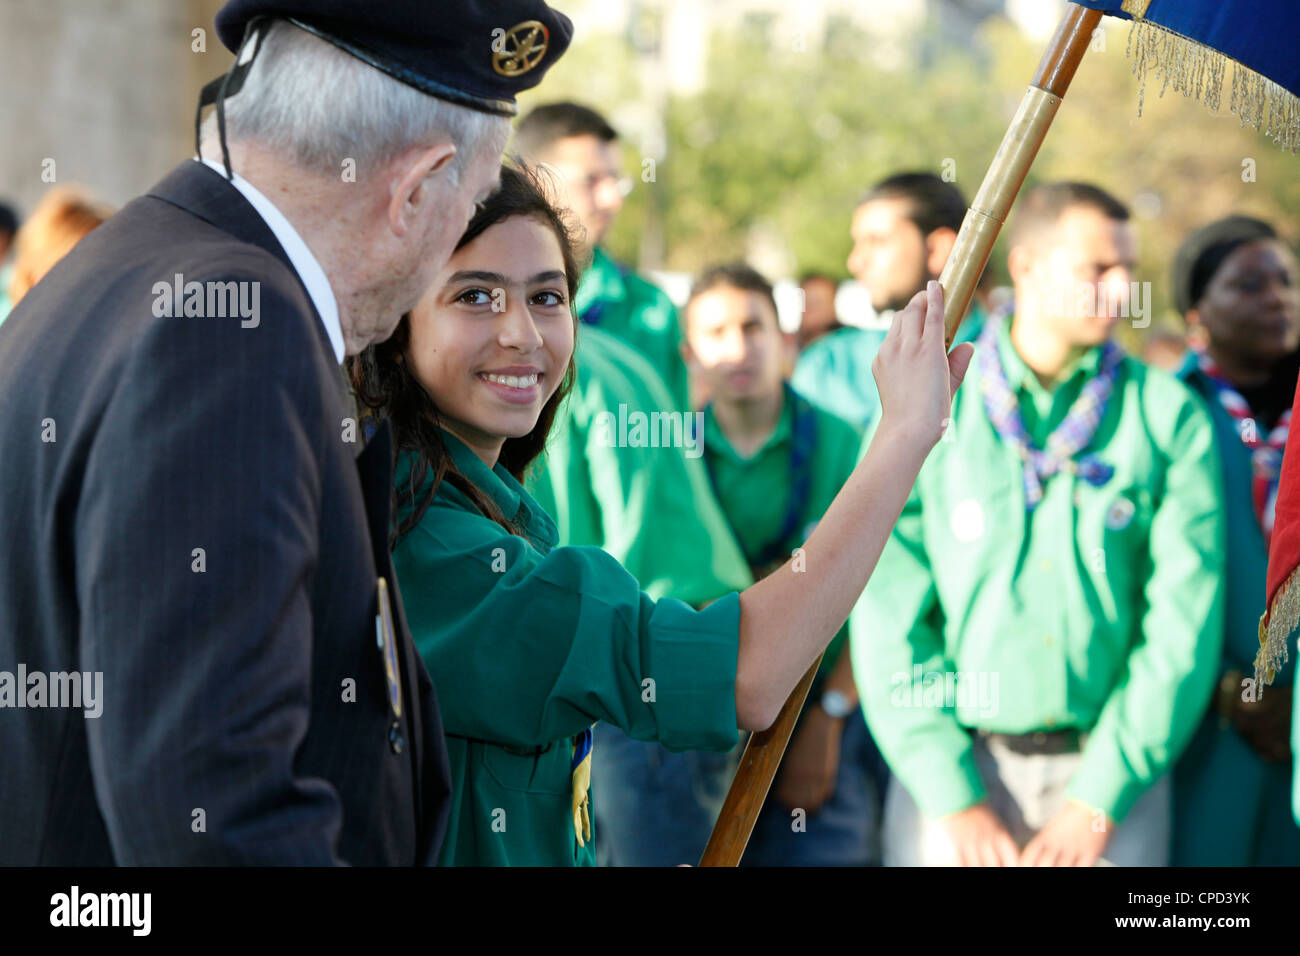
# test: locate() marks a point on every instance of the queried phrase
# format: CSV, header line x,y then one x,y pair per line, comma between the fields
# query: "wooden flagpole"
x,y
988,211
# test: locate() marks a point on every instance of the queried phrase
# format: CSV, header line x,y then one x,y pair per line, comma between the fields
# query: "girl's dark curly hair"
x,y
386,386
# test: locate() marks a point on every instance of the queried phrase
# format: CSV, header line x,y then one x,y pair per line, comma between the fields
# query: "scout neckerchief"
x,y
802,442
1266,453
580,771
1074,433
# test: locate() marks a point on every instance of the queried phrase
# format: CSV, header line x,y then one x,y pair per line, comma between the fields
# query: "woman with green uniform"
x,y
1236,284
531,644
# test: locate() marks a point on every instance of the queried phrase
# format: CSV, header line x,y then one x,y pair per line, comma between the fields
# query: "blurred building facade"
x,y
100,93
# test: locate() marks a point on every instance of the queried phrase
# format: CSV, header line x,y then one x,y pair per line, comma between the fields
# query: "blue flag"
x,y
1191,45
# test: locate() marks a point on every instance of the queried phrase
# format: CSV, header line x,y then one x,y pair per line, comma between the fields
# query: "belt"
x,y
1039,742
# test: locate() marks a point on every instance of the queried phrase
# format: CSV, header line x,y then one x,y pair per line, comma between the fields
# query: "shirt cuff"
x,y
1104,780
692,663
942,782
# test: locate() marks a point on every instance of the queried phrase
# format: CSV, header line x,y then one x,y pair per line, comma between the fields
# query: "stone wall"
x,y
105,89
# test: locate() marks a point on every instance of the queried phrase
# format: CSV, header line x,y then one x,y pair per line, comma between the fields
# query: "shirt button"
x,y
1045,565
1050,722
396,740
1048,640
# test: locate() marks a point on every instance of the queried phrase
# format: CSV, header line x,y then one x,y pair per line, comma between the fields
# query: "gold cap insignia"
x,y
521,49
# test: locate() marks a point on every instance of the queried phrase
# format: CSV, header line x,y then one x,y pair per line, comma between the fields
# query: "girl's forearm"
x,y
789,617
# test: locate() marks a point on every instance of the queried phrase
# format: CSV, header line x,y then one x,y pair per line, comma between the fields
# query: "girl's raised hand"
x,y
915,376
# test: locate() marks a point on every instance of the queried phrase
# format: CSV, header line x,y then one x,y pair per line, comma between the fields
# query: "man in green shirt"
x,y
903,231
582,150
776,462
1044,628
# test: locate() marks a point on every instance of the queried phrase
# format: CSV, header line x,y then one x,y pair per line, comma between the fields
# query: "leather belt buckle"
x,y
1035,743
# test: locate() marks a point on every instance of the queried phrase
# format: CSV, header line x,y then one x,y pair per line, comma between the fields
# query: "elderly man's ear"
x,y
410,189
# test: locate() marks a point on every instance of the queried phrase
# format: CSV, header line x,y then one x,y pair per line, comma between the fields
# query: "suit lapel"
x,y
375,469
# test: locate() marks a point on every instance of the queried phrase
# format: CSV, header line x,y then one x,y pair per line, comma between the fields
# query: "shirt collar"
x,y
498,485
716,440
304,263
603,280
1020,375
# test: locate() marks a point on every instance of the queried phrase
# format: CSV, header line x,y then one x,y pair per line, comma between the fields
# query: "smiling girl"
x,y
530,644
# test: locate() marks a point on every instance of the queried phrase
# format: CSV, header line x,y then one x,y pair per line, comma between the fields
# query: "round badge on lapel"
x,y
1119,514
967,521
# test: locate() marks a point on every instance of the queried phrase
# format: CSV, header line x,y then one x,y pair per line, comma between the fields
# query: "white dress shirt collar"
x,y
300,257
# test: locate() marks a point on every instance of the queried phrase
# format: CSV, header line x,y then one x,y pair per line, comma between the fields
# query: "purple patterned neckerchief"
x,y
1070,437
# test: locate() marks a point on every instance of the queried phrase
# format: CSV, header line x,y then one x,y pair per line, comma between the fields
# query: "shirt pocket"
x,y
975,518
1121,528
525,811
544,773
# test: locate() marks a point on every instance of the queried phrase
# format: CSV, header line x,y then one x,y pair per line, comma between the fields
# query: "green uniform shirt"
x,y
1295,749
1230,806
1102,611
1247,564
835,370
529,645
754,492
619,497
638,313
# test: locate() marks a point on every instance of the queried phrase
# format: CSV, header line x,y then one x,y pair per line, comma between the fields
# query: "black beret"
x,y
1204,251
474,53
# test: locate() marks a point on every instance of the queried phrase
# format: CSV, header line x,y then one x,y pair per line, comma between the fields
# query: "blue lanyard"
x,y
802,442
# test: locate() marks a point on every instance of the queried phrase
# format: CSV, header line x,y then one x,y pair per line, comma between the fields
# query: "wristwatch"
x,y
836,704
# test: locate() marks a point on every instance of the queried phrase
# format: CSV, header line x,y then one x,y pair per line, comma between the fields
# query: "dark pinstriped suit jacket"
x,y
246,717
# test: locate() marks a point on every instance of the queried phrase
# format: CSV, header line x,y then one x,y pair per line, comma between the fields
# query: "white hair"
x,y
315,105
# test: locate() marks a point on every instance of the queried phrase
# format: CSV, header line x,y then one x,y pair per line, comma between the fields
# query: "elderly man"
x,y
196,588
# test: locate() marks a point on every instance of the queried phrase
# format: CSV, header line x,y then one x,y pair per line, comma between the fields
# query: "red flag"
x,y
1282,613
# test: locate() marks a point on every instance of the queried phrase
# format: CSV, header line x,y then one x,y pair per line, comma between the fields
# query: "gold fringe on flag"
x,y
1276,626
1197,72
